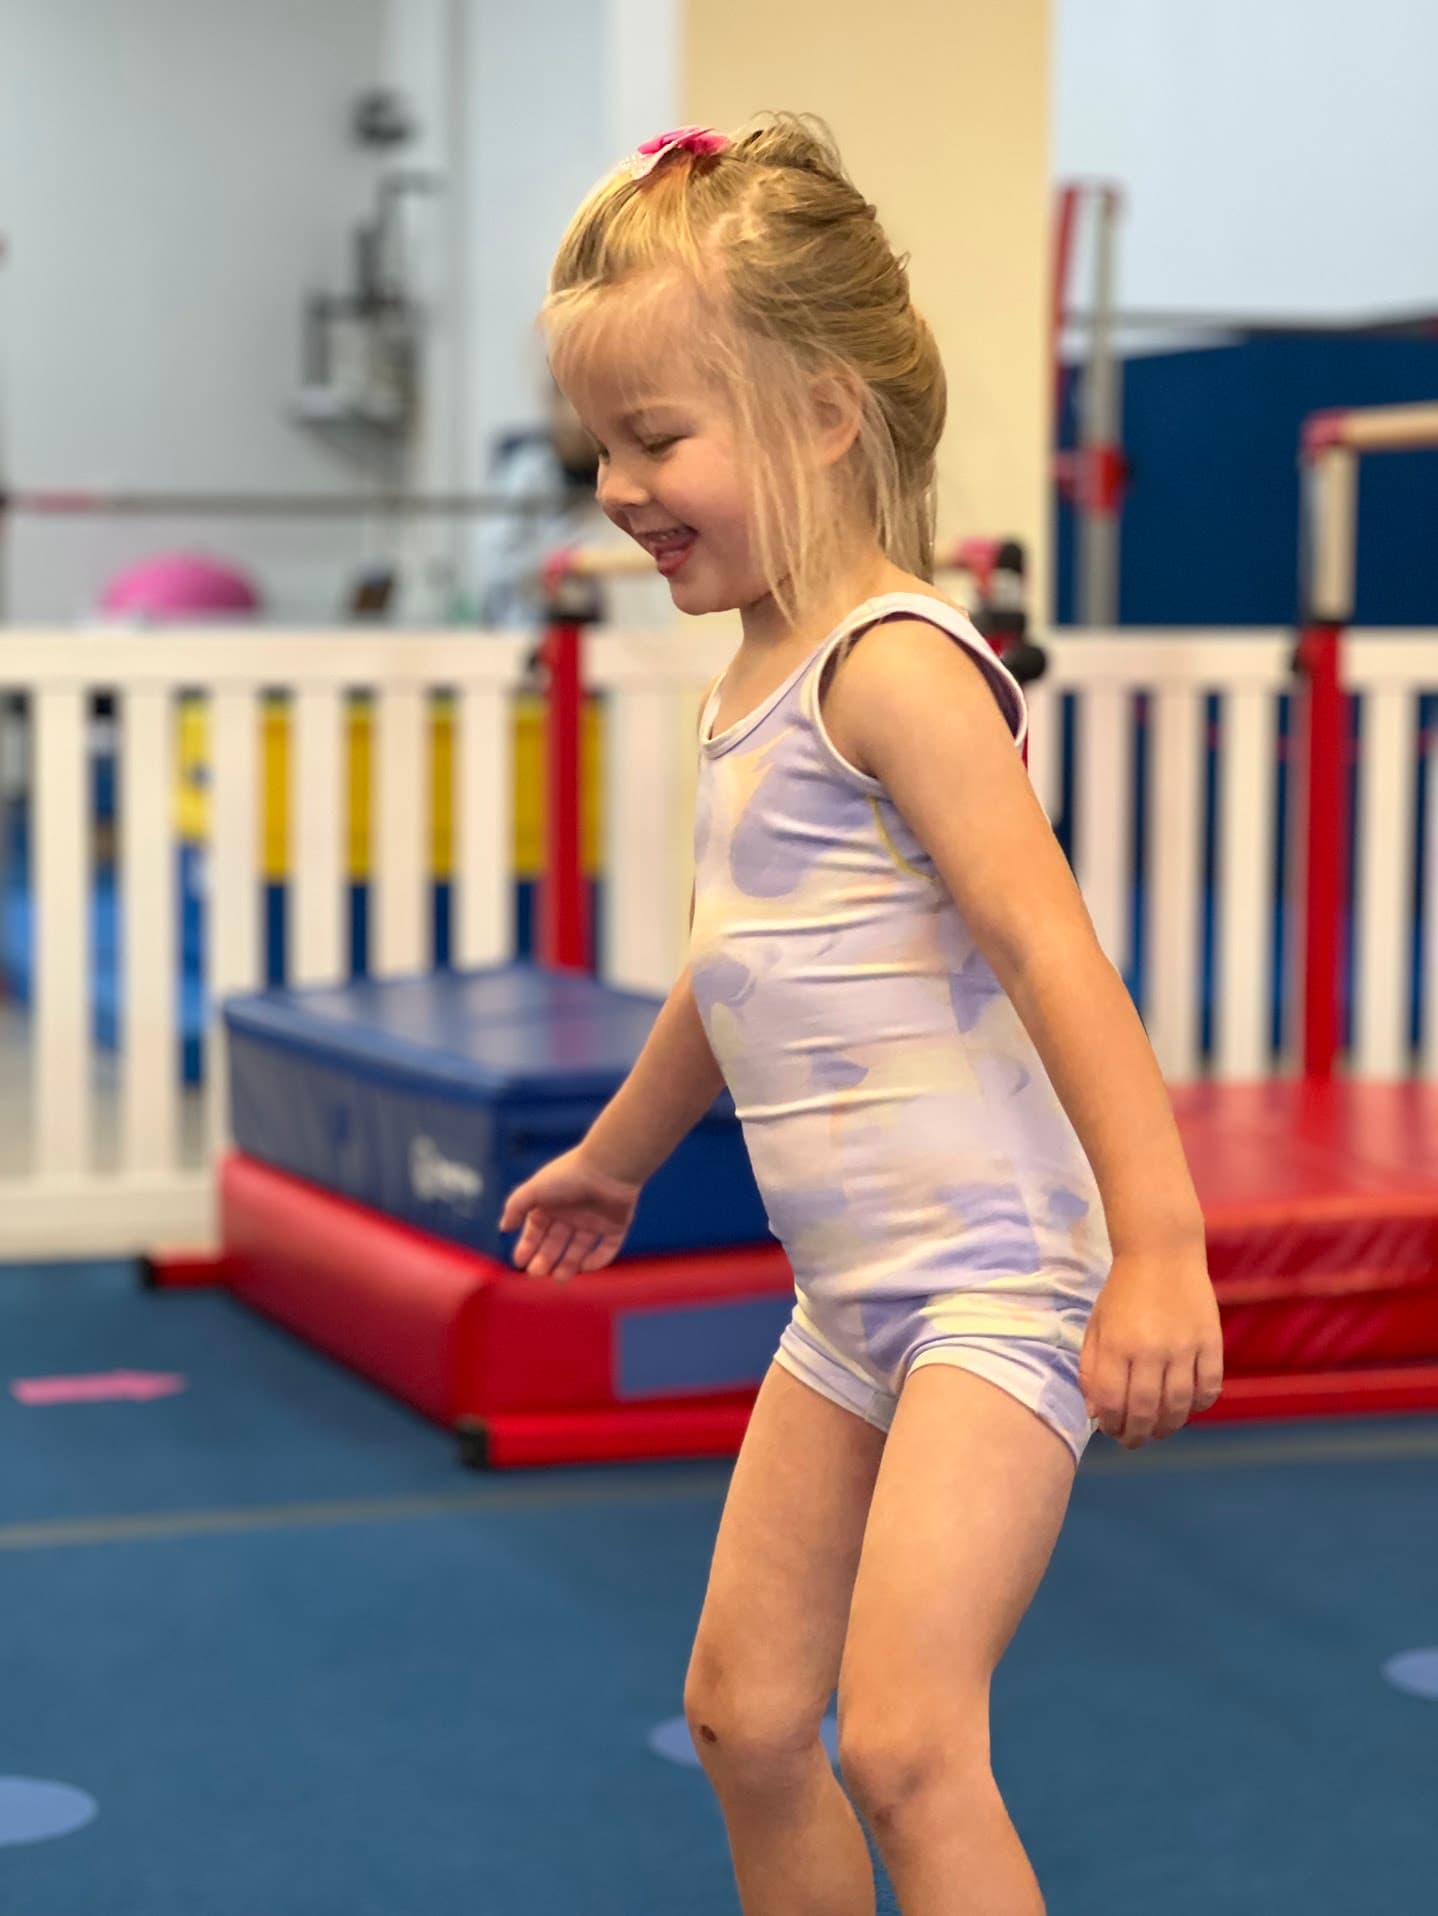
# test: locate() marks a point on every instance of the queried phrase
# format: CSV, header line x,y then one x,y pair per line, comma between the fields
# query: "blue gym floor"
x,y
269,1651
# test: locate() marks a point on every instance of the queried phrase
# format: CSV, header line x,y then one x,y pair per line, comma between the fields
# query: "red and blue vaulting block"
x,y
658,1356
1322,1220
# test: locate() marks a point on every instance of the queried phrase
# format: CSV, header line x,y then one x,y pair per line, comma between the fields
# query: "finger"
x,y
536,1224
1145,1395
1209,1376
1088,1367
1110,1394
515,1206
578,1248
1179,1383
603,1253
551,1249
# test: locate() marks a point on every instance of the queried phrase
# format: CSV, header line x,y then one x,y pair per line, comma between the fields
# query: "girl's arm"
x,y
673,1083
921,718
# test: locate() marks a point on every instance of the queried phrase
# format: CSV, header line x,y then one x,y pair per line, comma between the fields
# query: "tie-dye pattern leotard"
x,y
915,1162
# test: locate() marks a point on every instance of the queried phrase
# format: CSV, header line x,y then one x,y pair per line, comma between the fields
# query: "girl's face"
x,y
669,476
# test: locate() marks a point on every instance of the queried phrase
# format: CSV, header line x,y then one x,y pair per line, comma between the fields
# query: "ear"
x,y
838,414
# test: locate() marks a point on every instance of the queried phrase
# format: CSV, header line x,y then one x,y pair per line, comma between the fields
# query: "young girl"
x,y
960,1132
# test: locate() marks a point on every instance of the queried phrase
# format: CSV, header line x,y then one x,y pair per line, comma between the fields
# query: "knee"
x,y
749,1730
892,1763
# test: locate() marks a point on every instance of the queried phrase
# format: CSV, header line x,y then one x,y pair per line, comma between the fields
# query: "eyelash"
x,y
652,451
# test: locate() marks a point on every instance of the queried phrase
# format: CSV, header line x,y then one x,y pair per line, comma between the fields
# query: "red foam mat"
x,y
713,1427
1322,1213
533,1370
1321,1203
396,1306
1364,1391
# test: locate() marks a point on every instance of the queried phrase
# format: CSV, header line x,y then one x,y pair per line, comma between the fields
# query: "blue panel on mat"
x,y
698,1346
429,1099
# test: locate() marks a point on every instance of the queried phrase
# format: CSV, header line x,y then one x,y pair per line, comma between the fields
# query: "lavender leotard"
x,y
915,1162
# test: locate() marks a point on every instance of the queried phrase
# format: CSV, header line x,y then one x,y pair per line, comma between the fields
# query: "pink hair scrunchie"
x,y
686,139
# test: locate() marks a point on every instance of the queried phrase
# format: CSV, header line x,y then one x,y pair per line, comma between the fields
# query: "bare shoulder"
x,y
898,677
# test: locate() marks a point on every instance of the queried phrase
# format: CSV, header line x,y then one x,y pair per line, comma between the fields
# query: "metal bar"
x,y
1388,428
1068,201
1160,319
1099,434
1330,533
83,503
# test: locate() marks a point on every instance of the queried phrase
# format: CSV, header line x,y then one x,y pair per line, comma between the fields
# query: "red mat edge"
x,y
618,1434
1372,1391
184,1270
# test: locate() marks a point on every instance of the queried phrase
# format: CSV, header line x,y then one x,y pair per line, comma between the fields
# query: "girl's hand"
x,y
1153,1353
575,1217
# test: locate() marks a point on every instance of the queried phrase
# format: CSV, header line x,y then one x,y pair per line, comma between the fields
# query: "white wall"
x,y
1281,156
521,109
174,176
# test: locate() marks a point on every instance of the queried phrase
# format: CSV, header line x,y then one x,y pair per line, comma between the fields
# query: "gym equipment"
x,y
429,1099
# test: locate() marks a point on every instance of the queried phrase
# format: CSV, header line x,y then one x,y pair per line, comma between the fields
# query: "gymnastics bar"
x,y
1092,474
1331,445
84,503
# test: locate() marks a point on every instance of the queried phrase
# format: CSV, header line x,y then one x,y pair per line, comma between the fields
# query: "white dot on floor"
x,y
672,1741
32,1810
1415,1671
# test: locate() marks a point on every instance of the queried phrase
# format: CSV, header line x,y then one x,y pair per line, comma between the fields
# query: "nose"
x,y
618,490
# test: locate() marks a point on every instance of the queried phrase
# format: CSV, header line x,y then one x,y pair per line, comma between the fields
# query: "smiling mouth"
x,y
670,550
670,540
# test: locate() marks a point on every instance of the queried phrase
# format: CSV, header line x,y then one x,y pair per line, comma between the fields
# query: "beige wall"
x,y
941,111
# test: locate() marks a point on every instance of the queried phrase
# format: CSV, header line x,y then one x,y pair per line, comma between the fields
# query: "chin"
x,y
690,596
699,595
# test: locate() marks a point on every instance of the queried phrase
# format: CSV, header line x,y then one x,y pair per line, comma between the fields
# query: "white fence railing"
x,y
1394,676
1196,891
60,1201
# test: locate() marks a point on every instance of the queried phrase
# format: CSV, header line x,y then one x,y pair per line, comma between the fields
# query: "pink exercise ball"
x,y
180,586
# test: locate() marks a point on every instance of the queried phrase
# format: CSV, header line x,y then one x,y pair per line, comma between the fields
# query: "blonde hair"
x,y
787,278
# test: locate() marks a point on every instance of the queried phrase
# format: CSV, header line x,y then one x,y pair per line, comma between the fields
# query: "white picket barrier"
x,y
63,1200
157,1190
1178,672
1390,673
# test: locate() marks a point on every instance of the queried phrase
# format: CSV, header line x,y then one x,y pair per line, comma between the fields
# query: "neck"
x,y
766,629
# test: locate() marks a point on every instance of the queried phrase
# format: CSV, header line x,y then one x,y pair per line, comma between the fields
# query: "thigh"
x,y
966,1512
788,1546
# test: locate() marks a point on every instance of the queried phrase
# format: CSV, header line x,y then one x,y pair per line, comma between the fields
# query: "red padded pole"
x,y
563,922
1325,838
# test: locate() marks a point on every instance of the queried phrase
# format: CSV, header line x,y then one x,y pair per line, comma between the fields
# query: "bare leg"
x,y
767,1654
967,1510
